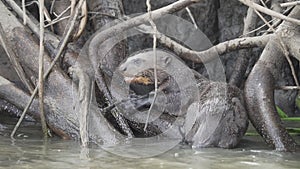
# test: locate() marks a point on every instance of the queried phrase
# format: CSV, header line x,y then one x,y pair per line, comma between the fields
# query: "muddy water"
x,y
29,150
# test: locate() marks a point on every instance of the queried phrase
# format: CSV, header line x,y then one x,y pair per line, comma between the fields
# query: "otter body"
x,y
221,119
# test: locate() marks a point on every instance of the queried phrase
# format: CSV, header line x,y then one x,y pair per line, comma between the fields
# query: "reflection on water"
x,y
30,151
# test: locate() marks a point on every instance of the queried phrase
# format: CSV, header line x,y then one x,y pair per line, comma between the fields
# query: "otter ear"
x,y
166,60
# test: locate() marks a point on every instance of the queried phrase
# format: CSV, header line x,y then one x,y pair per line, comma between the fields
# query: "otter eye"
x,y
137,62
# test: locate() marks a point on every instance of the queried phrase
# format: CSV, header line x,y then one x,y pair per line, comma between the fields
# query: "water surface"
x,y
29,150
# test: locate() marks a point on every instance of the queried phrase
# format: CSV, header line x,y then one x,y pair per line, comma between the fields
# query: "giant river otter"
x,y
216,119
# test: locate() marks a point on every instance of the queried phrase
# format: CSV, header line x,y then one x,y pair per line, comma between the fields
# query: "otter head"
x,y
144,60
138,70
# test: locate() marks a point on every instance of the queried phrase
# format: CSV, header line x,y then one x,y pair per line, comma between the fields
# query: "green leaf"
x,y
297,119
294,131
297,101
281,113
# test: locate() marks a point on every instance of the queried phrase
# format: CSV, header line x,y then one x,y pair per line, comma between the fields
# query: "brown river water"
x,y
29,150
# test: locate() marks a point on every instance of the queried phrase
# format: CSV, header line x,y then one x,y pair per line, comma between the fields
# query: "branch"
x,y
209,54
284,47
213,52
153,25
287,88
32,23
290,4
269,11
119,28
41,69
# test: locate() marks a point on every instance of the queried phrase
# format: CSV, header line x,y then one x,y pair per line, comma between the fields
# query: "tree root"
x,y
260,85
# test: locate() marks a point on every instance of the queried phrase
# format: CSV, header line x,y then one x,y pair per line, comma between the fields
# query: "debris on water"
x,y
250,163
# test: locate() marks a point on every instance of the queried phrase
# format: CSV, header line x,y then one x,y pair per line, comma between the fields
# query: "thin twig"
x,y
287,88
61,47
52,6
286,54
83,21
264,20
20,13
56,21
192,17
155,62
59,17
41,69
270,12
24,12
46,13
263,3
32,23
290,4
271,21
275,24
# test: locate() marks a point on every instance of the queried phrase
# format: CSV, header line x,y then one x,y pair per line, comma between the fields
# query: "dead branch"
x,y
269,12
41,69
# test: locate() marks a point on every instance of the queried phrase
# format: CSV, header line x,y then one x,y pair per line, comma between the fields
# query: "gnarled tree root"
x,y
259,88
